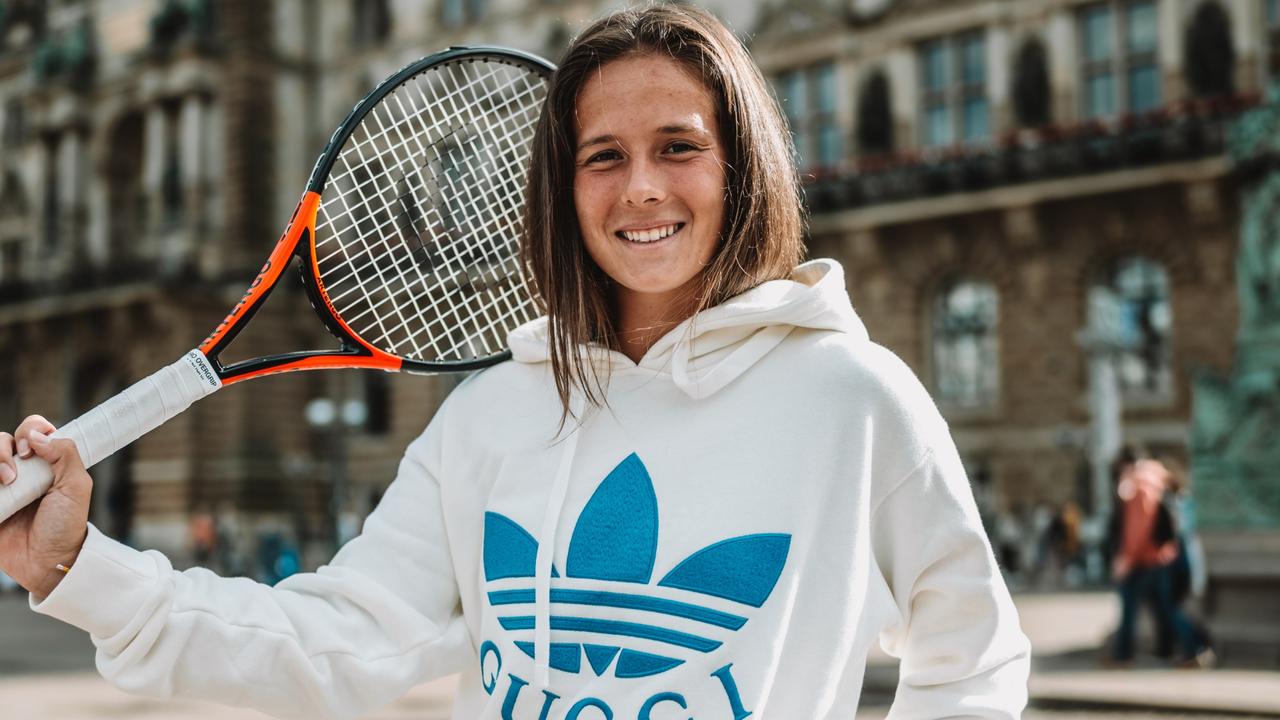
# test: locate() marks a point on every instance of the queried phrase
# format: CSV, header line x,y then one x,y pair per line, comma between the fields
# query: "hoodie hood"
x,y
711,349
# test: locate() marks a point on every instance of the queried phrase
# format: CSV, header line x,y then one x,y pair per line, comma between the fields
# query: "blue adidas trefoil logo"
x,y
616,539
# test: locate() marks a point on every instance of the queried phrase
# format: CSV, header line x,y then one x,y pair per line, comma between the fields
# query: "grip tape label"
x,y
200,364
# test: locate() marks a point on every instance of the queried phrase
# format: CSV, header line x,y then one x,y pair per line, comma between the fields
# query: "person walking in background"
x,y
1147,548
1065,549
1188,573
203,534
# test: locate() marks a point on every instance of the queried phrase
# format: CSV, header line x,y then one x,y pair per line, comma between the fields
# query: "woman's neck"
x,y
642,319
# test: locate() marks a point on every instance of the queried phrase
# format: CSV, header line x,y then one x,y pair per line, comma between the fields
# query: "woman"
x,y
707,494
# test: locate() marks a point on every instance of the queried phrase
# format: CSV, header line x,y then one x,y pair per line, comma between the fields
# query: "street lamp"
x,y
1104,338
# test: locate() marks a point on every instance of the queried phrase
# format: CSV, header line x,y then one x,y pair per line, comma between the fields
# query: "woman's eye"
x,y
603,156
681,147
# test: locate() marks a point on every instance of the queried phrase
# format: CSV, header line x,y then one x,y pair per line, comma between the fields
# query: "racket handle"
x,y
115,423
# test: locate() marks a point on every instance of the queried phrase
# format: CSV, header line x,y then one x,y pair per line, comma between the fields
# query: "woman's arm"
x,y
963,653
359,632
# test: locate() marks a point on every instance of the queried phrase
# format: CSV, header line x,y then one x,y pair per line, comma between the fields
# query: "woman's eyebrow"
x,y
599,140
680,129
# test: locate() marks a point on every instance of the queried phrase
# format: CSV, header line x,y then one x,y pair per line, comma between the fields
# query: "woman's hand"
x,y
51,530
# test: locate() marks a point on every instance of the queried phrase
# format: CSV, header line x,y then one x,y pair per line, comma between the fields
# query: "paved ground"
x,y
46,673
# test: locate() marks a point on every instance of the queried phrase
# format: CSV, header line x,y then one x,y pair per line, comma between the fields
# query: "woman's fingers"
x,y
59,452
8,468
69,475
33,423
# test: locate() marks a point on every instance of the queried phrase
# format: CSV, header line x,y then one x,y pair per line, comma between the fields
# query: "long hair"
x,y
762,237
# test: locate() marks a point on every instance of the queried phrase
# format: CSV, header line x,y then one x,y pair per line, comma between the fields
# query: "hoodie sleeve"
x,y
962,651
356,634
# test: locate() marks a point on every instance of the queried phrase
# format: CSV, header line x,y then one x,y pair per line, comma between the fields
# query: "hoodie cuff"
x,y
108,583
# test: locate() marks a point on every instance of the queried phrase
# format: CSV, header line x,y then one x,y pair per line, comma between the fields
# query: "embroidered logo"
x,y
616,540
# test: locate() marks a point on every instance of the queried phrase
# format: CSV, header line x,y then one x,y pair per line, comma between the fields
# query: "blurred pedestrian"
x,y
1009,541
1141,568
202,533
230,559
1188,573
1125,458
1064,547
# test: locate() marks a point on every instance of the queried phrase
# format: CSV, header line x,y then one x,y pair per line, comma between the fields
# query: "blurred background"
x,y
1063,214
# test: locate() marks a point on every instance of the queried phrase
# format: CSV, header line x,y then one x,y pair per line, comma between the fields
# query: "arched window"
x,y
1211,58
1139,290
1031,84
875,115
966,348
50,220
127,207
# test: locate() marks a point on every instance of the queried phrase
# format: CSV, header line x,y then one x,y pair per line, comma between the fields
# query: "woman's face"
x,y
649,182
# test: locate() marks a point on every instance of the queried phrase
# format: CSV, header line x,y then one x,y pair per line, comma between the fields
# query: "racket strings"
x,y
422,214
385,129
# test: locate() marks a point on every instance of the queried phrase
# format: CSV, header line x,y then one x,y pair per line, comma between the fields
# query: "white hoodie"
x,y
766,493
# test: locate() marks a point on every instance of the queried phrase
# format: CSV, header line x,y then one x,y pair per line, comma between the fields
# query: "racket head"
x,y
412,252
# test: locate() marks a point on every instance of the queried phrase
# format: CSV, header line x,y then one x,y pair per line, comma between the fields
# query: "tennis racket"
x,y
406,237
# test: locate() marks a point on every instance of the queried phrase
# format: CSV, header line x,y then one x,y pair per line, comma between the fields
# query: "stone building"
x,y
981,167
995,172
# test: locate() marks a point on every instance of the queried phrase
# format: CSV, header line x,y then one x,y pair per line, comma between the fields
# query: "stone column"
x,y
999,67
192,126
1062,43
1102,340
1171,19
904,96
71,167
154,142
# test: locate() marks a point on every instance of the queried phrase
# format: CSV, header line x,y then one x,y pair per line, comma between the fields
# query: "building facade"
x,y
995,175
1001,176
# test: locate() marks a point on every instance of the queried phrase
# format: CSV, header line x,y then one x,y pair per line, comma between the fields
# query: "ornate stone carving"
x,y
1258,266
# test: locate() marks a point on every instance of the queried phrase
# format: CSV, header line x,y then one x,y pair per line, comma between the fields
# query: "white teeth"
x,y
647,236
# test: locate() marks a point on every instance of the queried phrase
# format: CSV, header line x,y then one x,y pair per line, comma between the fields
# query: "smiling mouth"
x,y
650,235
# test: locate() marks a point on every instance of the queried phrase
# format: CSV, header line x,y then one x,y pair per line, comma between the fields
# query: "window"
x,y
10,261
809,100
1138,290
1031,85
172,190
953,81
127,209
1118,48
875,116
14,124
371,22
1211,58
966,350
52,211
459,12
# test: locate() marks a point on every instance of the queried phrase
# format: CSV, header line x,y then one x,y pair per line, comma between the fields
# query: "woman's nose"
x,y
643,184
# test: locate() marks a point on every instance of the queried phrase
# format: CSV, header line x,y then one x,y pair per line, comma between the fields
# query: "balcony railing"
x,y
1184,131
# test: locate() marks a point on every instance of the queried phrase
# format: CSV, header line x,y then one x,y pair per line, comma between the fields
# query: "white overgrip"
x,y
117,422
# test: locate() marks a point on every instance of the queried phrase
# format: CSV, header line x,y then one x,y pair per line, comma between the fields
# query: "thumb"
x,y
61,454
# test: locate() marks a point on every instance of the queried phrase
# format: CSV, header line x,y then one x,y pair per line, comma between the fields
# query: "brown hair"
x,y
762,237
